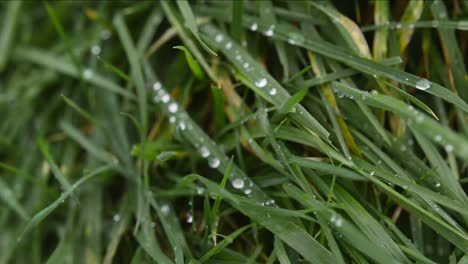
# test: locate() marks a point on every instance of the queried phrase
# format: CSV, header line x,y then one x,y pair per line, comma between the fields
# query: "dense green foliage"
x,y
233,131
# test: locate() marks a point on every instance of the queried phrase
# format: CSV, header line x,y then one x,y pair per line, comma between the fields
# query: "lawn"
x,y
233,131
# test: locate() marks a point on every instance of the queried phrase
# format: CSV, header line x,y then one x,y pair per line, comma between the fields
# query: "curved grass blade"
x,y
190,22
38,217
193,64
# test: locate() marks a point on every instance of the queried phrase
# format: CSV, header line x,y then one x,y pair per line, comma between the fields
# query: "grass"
x,y
233,132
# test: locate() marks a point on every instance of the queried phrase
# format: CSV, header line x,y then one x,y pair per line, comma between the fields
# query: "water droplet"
x,y
437,185
374,92
219,38
229,45
172,119
200,190
96,50
246,65
449,148
156,86
435,23
398,25
372,173
423,84
189,218
88,74
339,222
116,218
165,209
238,183
270,31
238,57
254,27
438,138
165,98
182,126
273,91
105,34
248,191
173,107
403,148
214,163
379,162
261,83
204,152
295,38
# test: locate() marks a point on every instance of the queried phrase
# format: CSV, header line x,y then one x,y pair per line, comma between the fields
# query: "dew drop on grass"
x,y
423,84
295,38
105,34
261,83
437,185
372,173
165,98
449,148
339,222
200,190
246,65
238,57
204,152
270,31
229,45
88,74
116,218
248,191
214,163
219,38
273,91
156,86
165,209
254,27
189,218
438,138
172,119
96,50
238,183
182,126
173,107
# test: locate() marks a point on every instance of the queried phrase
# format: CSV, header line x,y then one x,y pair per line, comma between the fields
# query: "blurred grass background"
x,y
233,131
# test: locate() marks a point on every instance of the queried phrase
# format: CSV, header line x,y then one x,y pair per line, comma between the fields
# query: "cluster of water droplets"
x,y
336,220
172,107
